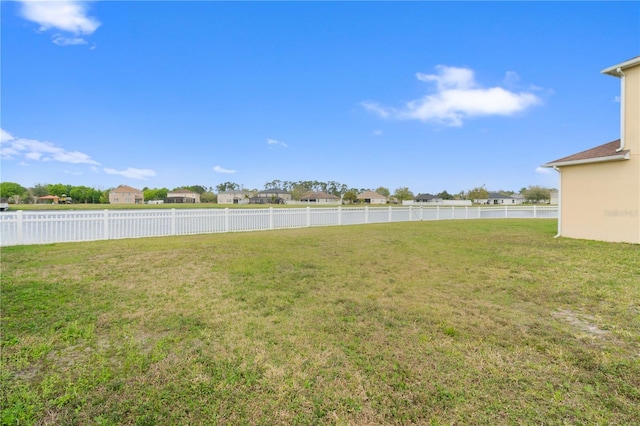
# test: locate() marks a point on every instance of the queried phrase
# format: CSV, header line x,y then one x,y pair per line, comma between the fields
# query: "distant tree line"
x,y
16,193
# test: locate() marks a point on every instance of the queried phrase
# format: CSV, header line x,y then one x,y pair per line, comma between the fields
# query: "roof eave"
x,y
612,70
620,157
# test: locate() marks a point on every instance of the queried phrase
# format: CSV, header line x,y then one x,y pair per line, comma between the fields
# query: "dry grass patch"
x,y
486,322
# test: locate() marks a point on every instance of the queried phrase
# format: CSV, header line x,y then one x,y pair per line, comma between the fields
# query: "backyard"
x,y
451,322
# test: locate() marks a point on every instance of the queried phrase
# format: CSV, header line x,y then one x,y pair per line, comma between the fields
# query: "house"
x,y
48,199
319,197
271,196
183,195
496,198
612,168
125,195
232,197
426,198
372,197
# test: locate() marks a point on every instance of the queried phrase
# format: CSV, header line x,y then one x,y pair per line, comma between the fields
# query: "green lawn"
x,y
452,322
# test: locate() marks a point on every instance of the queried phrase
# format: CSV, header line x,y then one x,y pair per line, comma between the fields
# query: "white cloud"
x,y
457,97
616,99
274,143
219,169
377,132
543,170
63,15
511,78
5,136
35,150
131,173
61,40
376,108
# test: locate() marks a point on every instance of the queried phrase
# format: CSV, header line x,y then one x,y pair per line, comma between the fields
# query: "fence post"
x,y
173,221
506,212
19,227
437,212
535,212
390,213
366,214
339,215
308,216
421,214
226,219
105,220
270,217
410,213
466,212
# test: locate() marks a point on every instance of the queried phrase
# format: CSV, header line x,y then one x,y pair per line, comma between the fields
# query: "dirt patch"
x,y
582,322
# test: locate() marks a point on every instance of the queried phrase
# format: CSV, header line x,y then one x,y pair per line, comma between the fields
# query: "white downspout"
x,y
559,234
622,97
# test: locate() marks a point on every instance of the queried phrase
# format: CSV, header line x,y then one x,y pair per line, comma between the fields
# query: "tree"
x,y
274,184
227,186
536,194
478,193
59,189
298,191
84,194
350,197
195,188
104,197
336,188
383,191
155,194
11,190
445,195
403,193
40,190
208,197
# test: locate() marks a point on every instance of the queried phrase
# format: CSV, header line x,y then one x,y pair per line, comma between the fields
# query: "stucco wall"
x,y
116,197
227,198
602,201
632,110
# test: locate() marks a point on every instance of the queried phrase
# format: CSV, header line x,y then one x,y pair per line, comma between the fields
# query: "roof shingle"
x,y
607,151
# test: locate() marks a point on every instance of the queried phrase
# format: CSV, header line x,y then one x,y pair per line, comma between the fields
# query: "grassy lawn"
x,y
452,322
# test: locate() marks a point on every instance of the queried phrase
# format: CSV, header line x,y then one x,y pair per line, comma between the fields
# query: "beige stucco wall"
x,y
193,195
378,201
124,197
631,110
227,198
601,201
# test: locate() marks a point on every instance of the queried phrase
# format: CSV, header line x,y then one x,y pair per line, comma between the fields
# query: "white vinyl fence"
x,y
43,227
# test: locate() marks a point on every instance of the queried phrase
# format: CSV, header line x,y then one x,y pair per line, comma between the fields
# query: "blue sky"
x,y
425,95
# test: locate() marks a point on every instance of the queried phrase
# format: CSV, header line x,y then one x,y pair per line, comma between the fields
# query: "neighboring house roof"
x,y
232,192
427,197
606,152
125,188
315,195
498,195
371,194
